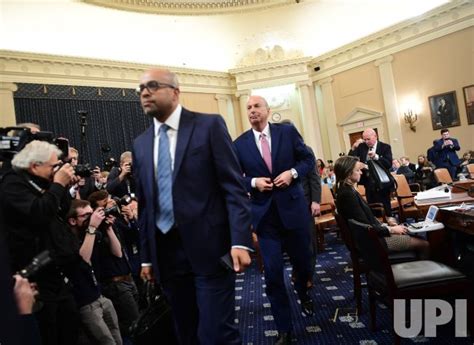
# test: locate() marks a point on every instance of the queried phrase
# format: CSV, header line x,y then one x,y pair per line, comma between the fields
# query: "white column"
x,y
309,118
243,98
391,105
226,109
329,113
7,106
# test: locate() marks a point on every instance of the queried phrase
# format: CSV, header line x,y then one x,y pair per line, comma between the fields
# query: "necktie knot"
x,y
164,128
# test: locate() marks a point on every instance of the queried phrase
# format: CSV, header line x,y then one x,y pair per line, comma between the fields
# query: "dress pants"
x,y
272,237
203,307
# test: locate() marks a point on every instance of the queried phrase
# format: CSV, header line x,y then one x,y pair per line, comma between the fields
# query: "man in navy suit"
x,y
446,156
193,210
273,158
371,148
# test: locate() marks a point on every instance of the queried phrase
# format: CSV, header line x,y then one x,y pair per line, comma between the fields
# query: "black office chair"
x,y
410,280
359,266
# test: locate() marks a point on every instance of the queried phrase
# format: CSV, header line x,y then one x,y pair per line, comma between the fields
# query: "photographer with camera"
x,y
33,206
97,313
114,270
89,179
446,156
120,180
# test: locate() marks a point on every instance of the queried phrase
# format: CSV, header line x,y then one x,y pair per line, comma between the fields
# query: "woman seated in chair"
x,y
350,205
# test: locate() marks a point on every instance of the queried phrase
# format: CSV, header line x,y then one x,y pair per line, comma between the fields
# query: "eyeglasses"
x,y
153,86
85,215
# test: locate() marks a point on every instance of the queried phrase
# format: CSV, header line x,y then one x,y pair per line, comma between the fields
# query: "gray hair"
x,y
125,155
35,152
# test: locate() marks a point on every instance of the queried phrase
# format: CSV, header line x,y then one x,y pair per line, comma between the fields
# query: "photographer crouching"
x,y
34,204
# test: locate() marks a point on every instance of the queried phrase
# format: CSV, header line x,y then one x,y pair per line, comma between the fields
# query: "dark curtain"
x,y
114,117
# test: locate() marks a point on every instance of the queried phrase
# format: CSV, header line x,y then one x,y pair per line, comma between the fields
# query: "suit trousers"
x,y
203,307
272,238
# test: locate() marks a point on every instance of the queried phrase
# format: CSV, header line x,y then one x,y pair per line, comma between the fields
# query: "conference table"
x,y
458,224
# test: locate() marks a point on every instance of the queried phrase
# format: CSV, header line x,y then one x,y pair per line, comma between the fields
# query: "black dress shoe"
x,y
283,338
308,307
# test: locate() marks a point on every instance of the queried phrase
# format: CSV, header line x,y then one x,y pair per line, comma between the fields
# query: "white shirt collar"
x,y
265,131
172,121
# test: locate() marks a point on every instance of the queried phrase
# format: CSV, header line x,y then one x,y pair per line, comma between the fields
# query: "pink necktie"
x,y
267,156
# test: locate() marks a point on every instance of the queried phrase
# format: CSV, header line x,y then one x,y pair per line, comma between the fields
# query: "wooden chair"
x,y
327,215
470,169
406,200
410,280
442,175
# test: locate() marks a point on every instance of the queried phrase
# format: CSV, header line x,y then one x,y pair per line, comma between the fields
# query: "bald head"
x,y
258,112
159,93
370,137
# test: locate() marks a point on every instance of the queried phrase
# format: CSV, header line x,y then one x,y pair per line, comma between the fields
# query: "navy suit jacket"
x,y
447,154
385,157
288,151
211,206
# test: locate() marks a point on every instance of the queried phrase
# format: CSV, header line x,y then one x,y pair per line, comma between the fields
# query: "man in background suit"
x,y
273,158
446,156
193,210
369,148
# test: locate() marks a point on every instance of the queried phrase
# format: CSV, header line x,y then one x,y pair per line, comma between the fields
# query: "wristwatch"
x,y
294,173
91,230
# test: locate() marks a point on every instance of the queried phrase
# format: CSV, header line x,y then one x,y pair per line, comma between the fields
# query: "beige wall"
x,y
442,65
201,102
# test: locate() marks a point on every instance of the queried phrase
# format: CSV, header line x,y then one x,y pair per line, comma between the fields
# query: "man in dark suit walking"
x,y
446,156
273,158
193,210
369,148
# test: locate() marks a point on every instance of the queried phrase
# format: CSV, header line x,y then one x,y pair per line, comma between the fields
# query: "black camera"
x,y
112,211
123,201
110,163
83,170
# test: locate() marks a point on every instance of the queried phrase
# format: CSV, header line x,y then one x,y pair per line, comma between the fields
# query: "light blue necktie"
x,y
165,219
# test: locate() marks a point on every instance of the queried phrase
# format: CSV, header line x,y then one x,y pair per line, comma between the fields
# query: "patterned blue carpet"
x,y
335,321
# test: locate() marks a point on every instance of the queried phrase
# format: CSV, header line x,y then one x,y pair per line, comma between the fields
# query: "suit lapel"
x,y
275,134
149,168
186,126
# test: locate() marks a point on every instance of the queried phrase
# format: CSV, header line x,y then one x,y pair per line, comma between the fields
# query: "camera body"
x,y
83,170
112,211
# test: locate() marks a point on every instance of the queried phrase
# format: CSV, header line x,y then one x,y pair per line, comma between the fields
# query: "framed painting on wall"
x,y
444,110
469,103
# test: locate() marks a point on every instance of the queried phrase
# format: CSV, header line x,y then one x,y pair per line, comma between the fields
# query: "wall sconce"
x,y
411,118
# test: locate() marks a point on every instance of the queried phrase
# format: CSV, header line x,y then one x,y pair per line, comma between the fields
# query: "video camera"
x,y
14,139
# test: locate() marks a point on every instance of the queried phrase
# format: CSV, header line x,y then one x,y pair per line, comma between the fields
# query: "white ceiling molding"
x,y
191,7
452,17
360,115
52,69
272,74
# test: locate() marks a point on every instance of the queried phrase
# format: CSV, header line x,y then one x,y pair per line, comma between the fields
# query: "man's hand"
x,y
126,169
315,209
371,154
284,179
64,175
96,173
357,143
146,273
240,258
24,295
97,217
263,184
